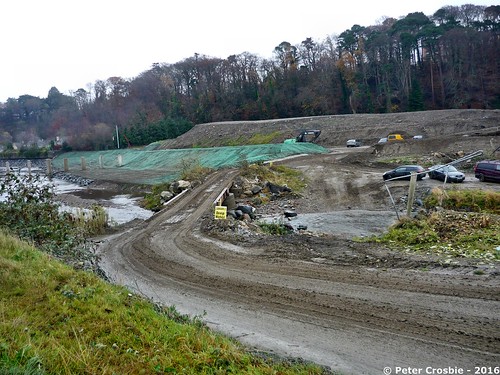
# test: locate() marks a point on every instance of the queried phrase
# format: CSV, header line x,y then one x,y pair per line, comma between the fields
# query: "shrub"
x,y
93,221
193,170
278,174
411,232
275,229
152,200
449,233
30,212
465,200
465,227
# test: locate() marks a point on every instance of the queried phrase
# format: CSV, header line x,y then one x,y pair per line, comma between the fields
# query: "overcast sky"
x,y
69,44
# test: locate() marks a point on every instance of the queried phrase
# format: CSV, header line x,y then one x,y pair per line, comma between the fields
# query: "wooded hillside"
x,y
443,61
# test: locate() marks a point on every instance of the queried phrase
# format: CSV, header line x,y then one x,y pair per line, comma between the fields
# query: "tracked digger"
x,y
305,136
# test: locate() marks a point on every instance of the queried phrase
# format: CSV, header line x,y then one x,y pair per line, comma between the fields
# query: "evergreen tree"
x,y
416,98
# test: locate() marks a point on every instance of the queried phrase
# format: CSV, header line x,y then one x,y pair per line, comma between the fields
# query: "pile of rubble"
x,y
77,180
248,199
176,188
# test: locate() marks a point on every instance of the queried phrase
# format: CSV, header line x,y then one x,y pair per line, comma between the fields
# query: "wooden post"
x,y
101,163
84,163
48,162
411,192
66,166
120,160
7,167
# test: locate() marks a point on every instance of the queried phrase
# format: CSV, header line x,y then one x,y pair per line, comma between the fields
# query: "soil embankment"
x,y
438,128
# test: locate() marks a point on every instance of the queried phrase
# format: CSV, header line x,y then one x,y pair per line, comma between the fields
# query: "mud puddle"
x,y
345,224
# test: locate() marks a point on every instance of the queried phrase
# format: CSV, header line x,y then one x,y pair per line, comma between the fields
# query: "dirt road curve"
x,y
354,318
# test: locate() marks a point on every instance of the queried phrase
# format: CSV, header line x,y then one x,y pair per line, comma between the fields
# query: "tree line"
x,y
417,62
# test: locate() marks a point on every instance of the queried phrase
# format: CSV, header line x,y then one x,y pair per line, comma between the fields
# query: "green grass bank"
x,y
55,320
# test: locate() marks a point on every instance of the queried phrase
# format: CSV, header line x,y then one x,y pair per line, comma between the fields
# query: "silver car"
x,y
382,140
446,173
353,143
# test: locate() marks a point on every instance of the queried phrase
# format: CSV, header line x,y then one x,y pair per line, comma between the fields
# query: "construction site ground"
x,y
321,296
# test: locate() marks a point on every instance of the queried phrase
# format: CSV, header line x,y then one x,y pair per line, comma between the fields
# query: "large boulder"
x,y
229,202
166,195
277,189
179,186
246,209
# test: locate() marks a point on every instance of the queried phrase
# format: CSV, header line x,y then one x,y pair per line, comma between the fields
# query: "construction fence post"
x,y
48,163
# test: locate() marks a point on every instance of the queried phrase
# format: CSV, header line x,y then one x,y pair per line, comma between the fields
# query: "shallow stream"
x,y
121,208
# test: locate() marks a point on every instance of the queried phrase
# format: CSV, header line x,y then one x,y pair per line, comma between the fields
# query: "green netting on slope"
x,y
171,162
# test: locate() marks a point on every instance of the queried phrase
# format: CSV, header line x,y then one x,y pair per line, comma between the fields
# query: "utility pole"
x,y
117,137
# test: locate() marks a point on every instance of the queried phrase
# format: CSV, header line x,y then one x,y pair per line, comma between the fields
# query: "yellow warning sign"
x,y
220,212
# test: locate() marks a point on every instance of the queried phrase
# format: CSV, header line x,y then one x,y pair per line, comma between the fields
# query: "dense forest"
x,y
418,62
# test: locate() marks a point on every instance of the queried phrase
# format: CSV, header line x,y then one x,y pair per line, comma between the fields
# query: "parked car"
x,y
418,137
382,140
405,171
446,173
353,143
487,170
395,138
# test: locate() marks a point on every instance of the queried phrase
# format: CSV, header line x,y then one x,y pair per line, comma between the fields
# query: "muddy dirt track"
x,y
351,307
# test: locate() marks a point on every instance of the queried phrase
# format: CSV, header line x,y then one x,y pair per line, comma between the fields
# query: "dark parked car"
x,y
446,172
404,171
487,170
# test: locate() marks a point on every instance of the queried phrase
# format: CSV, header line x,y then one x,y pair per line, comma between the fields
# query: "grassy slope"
x,y
54,320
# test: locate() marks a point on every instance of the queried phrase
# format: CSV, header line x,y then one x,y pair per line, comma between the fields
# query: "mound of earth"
x,y
443,129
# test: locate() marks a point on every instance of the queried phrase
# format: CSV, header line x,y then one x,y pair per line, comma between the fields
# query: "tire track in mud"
x,y
452,314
